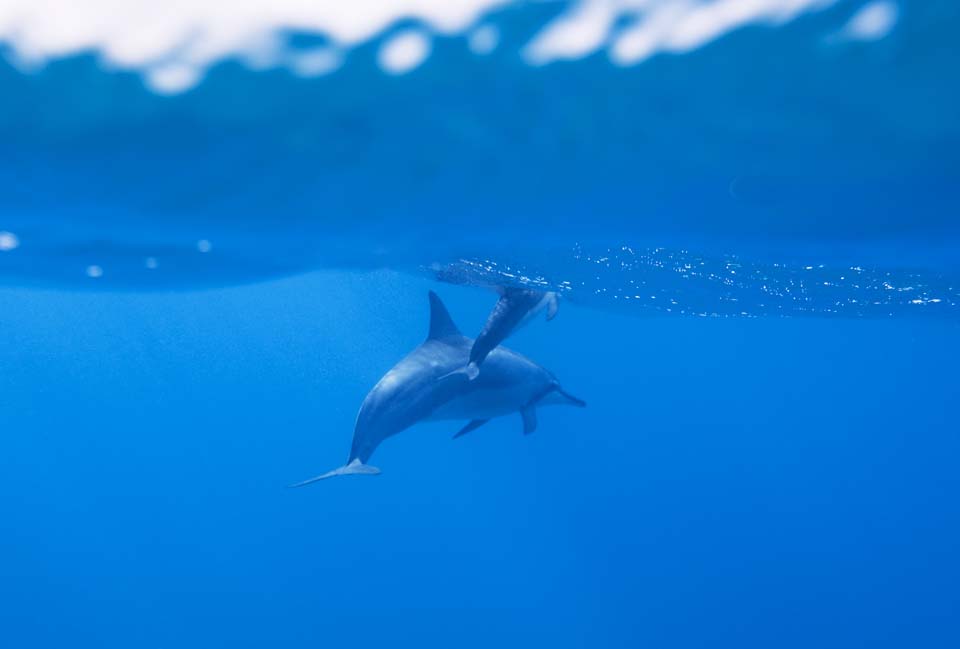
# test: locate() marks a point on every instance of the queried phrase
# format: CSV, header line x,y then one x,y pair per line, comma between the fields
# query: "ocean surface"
x,y
750,211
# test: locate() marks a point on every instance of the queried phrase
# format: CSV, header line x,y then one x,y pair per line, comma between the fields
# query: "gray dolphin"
x,y
515,308
426,386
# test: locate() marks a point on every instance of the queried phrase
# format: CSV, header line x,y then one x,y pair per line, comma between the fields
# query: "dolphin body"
x,y
515,308
426,386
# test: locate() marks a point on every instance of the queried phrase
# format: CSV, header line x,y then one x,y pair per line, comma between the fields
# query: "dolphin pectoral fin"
x,y
471,426
356,467
552,306
529,416
572,400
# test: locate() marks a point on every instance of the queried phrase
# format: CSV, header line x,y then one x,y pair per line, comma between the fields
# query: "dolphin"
x,y
515,308
425,386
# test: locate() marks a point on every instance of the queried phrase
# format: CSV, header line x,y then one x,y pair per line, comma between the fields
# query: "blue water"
x,y
760,303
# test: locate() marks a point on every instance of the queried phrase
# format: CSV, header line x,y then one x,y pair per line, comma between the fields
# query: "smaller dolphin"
x,y
515,308
425,385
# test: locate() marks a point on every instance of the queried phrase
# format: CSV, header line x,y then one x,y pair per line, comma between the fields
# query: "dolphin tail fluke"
x,y
355,467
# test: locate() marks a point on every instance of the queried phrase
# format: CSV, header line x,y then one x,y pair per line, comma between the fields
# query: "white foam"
x,y
315,62
173,78
645,38
8,241
872,22
173,43
684,25
580,31
484,39
404,51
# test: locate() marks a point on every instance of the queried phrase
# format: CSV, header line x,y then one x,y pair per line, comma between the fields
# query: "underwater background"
x,y
211,250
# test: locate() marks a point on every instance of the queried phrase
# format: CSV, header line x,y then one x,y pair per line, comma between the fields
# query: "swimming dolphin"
x,y
425,386
515,308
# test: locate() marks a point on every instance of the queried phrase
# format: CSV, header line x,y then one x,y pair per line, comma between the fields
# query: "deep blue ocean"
x,y
756,244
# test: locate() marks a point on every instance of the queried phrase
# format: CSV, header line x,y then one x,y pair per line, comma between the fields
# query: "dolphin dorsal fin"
x,y
441,325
